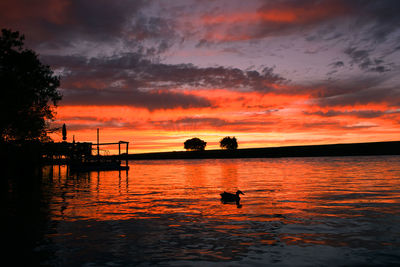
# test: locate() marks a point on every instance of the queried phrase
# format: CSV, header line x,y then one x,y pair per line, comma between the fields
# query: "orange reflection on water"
x,y
286,190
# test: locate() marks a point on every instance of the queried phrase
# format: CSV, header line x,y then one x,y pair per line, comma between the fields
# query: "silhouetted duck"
x,y
229,197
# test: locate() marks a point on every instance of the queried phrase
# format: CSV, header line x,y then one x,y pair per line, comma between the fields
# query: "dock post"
x,y
98,146
126,162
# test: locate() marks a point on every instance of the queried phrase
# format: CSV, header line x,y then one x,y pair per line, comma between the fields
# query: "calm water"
x,y
295,212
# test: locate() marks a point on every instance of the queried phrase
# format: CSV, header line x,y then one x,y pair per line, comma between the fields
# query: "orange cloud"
x,y
256,119
272,18
283,13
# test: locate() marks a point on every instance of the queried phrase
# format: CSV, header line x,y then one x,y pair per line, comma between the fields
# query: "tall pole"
x,y
98,146
126,162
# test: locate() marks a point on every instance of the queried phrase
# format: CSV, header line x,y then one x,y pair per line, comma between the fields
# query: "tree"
x,y
195,144
228,143
28,91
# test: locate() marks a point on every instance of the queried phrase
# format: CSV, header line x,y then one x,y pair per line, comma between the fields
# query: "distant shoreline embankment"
x,y
353,149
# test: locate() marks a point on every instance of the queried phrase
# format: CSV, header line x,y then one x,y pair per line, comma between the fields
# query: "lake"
x,y
327,211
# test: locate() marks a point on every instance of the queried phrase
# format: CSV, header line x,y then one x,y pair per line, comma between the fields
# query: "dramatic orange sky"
x,y
270,73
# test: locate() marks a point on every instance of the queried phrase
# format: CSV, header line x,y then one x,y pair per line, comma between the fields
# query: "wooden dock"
x,y
80,157
99,162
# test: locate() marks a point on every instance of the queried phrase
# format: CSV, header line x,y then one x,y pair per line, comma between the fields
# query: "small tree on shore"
x,y
195,144
228,143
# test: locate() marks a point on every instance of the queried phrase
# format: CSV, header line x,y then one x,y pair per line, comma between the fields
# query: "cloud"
x,y
389,96
366,114
280,17
328,21
337,64
191,122
70,18
360,125
381,17
62,24
356,90
210,122
154,99
131,79
138,71
363,60
273,18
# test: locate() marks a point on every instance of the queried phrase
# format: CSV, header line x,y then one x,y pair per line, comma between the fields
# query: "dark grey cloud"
x,y
337,64
390,96
131,79
59,24
321,124
308,14
71,19
137,71
146,82
110,78
192,122
365,114
357,90
379,18
357,22
154,99
337,125
359,126
212,122
331,88
363,59
112,123
116,81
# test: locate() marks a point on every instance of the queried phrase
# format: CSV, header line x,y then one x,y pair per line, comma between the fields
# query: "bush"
x,y
195,144
228,143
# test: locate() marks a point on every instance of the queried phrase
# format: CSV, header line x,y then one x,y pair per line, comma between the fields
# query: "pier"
x,y
79,156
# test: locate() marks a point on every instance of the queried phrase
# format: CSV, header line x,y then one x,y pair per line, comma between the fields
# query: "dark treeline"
x,y
355,149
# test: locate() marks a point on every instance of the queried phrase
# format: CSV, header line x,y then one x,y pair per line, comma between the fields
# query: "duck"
x,y
229,197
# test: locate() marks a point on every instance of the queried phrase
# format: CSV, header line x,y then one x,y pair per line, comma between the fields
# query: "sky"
x,y
271,73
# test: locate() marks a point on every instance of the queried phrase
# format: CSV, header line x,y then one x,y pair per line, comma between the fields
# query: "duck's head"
x,y
239,192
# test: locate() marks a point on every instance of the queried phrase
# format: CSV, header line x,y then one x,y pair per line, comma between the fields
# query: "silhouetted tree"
x,y
195,144
28,88
228,143
64,132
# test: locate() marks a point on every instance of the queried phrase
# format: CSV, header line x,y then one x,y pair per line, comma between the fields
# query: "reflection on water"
x,y
299,211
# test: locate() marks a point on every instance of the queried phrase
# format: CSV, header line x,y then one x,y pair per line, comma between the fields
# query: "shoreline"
x,y
346,149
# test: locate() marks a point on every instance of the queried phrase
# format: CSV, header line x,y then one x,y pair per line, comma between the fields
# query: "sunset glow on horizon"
x,y
271,73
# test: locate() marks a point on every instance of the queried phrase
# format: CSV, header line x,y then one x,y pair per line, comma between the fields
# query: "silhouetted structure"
x,y
228,143
79,156
89,162
64,132
195,144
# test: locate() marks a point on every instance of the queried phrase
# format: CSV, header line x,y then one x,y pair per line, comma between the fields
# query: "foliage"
x,y
28,88
228,143
195,144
